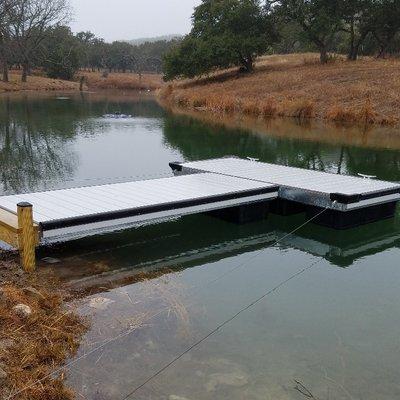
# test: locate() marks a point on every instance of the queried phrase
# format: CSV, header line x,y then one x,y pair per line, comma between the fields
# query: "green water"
x,y
331,319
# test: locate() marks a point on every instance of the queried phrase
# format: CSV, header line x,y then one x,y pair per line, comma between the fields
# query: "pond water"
x,y
328,324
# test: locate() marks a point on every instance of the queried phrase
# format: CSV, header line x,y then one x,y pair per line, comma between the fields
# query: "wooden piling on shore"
x,y
26,236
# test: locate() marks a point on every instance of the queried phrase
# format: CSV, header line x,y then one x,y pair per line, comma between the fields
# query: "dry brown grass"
x,y
93,81
42,342
366,91
122,81
36,83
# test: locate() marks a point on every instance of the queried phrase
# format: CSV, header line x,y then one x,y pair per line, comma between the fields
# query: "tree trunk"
x,y
5,71
382,51
323,55
355,46
81,83
352,56
247,63
25,70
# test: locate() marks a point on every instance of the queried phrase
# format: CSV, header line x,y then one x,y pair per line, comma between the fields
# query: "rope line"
x,y
219,327
259,252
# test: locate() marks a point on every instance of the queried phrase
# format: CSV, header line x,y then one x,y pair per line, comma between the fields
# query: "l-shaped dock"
x,y
230,188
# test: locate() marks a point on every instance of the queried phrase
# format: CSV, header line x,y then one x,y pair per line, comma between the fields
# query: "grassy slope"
x,y
122,81
36,83
298,86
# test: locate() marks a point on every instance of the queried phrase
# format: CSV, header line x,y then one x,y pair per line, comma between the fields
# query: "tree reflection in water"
x,y
286,142
33,153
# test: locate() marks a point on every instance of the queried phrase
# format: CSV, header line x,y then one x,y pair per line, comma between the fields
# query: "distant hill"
x,y
138,42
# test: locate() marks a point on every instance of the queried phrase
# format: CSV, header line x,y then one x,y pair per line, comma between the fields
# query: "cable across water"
x,y
211,333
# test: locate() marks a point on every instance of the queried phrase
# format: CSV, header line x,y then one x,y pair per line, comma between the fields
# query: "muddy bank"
x,y
39,331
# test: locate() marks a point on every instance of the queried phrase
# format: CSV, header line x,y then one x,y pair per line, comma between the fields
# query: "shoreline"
x,y
312,129
39,331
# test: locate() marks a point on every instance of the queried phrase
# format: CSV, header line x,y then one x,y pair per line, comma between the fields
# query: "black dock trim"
x,y
110,216
176,166
345,198
356,198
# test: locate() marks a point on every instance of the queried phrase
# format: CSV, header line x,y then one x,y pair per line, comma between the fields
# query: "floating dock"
x,y
27,220
230,188
350,201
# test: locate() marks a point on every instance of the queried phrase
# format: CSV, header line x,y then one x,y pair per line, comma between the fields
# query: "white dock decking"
x,y
78,212
337,192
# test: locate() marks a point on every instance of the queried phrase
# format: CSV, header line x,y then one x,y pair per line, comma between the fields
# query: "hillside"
x,y
366,91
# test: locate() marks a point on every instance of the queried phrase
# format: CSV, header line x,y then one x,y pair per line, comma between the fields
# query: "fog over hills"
x,y
139,41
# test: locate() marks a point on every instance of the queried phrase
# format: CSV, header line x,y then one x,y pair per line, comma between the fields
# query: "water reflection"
x,y
329,330
30,154
334,328
51,143
196,139
103,262
46,142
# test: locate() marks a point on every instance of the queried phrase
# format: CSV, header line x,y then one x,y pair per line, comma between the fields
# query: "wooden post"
x,y
26,237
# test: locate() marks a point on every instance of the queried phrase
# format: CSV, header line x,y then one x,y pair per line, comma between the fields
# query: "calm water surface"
x,y
331,319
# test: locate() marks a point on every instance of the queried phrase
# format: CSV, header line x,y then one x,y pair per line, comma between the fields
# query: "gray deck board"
x,y
82,202
302,185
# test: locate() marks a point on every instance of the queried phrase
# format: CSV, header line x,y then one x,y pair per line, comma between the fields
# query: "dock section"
x,y
78,212
350,201
229,188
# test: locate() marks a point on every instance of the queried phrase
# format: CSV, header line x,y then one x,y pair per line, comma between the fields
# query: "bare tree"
x,y
29,26
5,12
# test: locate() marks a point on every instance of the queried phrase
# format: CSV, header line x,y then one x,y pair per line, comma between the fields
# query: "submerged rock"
x,y
22,310
151,345
100,303
228,379
226,373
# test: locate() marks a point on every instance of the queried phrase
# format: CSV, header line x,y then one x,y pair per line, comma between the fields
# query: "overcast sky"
x,y
131,19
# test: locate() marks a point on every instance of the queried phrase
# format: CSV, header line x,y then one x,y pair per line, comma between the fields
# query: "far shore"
x,y
92,81
297,86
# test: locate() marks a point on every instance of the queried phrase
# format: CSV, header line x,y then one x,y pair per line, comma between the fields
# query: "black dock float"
x,y
243,214
351,219
349,201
